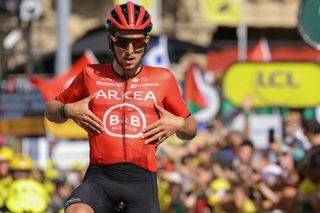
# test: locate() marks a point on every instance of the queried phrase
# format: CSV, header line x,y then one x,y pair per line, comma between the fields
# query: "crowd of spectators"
x,y
222,171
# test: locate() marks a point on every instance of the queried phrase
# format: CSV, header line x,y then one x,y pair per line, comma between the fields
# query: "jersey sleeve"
x,y
173,101
75,92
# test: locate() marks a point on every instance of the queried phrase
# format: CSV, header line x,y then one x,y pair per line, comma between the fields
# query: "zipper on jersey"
x,y
123,120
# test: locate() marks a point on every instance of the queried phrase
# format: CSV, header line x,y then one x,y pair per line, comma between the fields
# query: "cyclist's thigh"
x,y
87,193
143,197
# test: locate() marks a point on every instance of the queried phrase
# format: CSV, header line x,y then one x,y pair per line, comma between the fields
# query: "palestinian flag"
x,y
192,89
203,99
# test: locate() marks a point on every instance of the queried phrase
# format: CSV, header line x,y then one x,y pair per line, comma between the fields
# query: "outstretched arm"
x,y
79,112
169,124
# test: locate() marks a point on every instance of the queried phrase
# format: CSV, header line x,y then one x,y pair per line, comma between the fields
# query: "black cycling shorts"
x,y
106,186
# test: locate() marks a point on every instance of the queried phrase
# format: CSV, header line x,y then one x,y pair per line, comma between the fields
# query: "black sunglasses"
x,y
123,42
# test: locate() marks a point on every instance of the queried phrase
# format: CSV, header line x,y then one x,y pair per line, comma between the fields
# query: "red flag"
x,y
192,91
51,88
260,53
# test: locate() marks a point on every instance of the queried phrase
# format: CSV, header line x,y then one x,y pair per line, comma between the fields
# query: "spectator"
x,y
25,194
233,141
312,131
294,134
309,188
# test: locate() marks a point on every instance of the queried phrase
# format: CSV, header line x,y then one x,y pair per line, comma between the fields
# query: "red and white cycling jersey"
x,y
125,107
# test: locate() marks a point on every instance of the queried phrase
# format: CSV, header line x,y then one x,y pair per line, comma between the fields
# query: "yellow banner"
x,y
148,4
69,129
25,126
273,84
222,12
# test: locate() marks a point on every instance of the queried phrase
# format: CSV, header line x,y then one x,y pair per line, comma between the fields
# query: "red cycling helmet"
x,y
129,16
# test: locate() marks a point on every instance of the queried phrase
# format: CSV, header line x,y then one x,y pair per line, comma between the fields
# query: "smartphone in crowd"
x,y
271,138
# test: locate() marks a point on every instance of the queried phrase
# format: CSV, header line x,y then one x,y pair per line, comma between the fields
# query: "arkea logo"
x,y
130,95
129,126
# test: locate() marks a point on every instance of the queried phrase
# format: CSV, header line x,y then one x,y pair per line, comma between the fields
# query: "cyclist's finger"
x,y
94,129
94,125
161,140
95,118
152,132
164,137
151,126
155,138
85,126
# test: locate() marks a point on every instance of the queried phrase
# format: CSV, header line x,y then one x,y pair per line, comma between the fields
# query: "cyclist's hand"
x,y
166,126
83,116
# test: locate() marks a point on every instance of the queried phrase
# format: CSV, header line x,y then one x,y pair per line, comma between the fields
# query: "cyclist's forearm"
x,y
189,130
53,112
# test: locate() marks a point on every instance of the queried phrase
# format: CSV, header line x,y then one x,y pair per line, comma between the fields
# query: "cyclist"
x,y
128,109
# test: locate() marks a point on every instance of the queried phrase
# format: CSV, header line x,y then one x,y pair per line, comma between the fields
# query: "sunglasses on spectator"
x,y
123,42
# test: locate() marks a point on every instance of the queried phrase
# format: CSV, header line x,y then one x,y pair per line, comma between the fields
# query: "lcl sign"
x,y
286,84
278,79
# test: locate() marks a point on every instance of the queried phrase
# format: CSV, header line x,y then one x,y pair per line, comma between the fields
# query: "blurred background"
x,y
248,70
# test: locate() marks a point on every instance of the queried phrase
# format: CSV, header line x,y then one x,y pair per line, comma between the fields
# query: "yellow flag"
x,y
222,12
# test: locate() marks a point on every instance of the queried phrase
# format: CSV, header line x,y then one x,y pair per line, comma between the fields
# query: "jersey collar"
x,y
121,76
